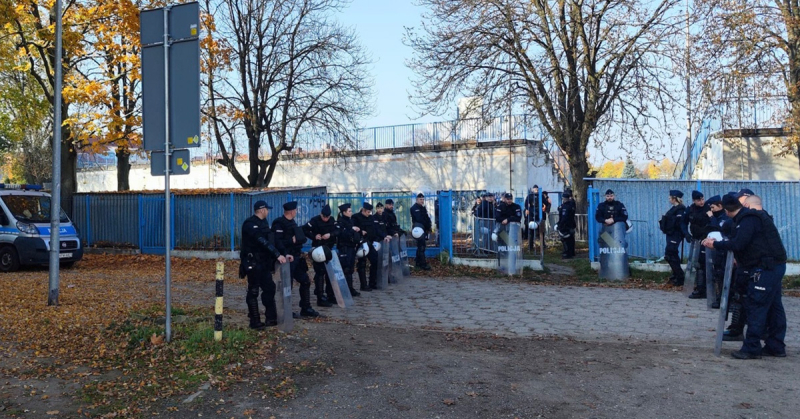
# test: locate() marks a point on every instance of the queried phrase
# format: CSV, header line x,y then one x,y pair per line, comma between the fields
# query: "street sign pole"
x,y
168,235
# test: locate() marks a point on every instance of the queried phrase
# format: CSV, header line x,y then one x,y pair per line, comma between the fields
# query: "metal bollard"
x,y
218,302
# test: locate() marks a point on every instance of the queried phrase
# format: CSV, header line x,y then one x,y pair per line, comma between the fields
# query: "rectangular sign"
x,y
184,77
180,163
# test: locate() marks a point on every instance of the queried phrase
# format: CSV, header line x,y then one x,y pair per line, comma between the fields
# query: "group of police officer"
x,y
352,234
760,257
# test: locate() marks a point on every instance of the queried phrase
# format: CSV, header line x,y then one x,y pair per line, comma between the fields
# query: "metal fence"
x,y
647,201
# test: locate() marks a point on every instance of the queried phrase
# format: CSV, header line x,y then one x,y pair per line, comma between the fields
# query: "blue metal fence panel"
x,y
151,224
647,201
107,219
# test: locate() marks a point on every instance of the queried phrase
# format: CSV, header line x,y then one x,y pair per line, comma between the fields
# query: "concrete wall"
x,y
747,155
465,168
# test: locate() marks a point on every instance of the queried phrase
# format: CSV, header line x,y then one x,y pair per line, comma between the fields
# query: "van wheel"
x,y
67,265
9,260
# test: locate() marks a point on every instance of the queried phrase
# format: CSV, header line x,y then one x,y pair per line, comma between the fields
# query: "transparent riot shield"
x,y
338,281
614,252
691,268
396,271
711,292
383,266
283,286
509,248
404,256
723,303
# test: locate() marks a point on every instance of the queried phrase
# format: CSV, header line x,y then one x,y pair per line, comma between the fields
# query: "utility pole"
x,y
55,196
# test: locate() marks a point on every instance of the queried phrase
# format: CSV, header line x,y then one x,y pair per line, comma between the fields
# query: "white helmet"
x,y
321,254
716,235
630,226
494,237
555,226
376,246
362,251
533,225
417,232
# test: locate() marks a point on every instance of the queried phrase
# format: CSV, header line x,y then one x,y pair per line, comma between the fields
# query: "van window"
x,y
31,208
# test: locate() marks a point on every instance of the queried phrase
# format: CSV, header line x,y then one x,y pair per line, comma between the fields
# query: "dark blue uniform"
x,y
761,258
566,227
671,225
419,215
371,229
695,223
258,256
322,284
285,231
346,241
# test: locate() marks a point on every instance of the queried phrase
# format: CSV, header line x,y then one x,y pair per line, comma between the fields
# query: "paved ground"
x,y
519,309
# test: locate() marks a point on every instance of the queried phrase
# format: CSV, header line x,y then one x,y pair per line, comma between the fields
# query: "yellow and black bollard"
x,y
218,302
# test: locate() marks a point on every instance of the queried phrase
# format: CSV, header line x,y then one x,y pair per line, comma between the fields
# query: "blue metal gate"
x,y
151,224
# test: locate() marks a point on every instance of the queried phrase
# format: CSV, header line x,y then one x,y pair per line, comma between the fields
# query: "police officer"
x,y
566,225
390,220
508,211
289,239
532,207
611,211
322,230
761,256
695,221
371,231
722,223
671,225
419,215
258,256
347,238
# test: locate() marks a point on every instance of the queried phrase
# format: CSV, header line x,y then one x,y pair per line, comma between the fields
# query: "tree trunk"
x,y
580,169
123,169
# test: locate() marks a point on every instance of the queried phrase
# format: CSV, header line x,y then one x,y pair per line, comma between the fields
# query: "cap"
x,y
326,210
697,195
344,207
420,195
714,200
291,205
260,204
744,192
378,205
567,194
676,193
367,205
535,186
609,192
389,201
508,196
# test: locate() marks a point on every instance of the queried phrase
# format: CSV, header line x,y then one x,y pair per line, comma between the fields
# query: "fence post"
x,y
233,223
141,220
446,221
590,224
413,140
393,141
375,138
88,221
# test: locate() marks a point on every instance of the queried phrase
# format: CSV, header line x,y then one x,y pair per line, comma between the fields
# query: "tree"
x,y
748,51
629,171
610,170
578,65
276,71
30,27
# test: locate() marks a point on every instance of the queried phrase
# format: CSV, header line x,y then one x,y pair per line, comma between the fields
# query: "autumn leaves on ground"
x,y
107,334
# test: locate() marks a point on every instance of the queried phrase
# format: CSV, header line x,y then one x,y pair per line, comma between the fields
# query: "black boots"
x,y
308,312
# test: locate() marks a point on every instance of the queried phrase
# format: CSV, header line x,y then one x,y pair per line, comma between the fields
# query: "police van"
x,y
25,229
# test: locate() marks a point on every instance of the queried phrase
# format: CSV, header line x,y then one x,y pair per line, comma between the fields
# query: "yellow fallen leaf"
x,y
156,339
52,412
449,402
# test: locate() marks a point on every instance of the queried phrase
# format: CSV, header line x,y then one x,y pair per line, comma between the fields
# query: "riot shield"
x,y
711,293
509,249
614,252
404,255
723,303
283,286
383,266
396,262
338,281
691,268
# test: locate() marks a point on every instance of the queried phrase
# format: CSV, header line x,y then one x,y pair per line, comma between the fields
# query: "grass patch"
x,y
791,282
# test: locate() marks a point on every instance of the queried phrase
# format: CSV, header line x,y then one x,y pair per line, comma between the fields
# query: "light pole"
x,y
55,197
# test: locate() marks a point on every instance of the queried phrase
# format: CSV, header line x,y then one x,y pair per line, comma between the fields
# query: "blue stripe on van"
x,y
66,230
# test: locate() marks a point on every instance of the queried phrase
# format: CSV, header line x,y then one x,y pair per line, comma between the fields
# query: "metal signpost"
x,y
170,102
55,196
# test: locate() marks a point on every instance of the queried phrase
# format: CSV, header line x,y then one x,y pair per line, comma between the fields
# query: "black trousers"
x,y
419,259
673,257
569,244
347,258
300,274
322,284
259,279
373,269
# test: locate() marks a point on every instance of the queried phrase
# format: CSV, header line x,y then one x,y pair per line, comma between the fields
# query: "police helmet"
x,y
494,237
716,235
321,254
376,246
362,251
630,226
417,232
533,225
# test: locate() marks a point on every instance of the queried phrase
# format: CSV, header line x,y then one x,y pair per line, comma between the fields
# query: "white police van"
x,y
25,229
